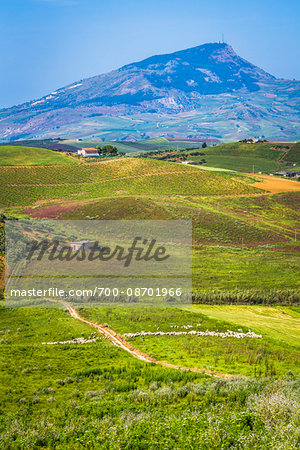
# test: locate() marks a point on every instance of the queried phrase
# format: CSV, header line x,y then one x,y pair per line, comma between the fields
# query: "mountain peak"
x,y
211,68
211,80
190,54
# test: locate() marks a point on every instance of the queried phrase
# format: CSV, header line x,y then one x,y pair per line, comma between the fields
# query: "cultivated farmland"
x,y
128,176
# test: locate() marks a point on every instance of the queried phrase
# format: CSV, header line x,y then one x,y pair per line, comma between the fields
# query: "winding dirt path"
x,y
118,341
110,335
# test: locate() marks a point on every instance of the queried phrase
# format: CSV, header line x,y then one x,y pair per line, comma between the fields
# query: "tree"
x,y
204,145
109,150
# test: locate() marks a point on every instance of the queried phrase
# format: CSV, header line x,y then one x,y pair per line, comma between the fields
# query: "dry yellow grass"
x,y
275,185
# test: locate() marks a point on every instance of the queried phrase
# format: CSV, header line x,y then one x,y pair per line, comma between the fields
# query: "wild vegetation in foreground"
x,y
97,396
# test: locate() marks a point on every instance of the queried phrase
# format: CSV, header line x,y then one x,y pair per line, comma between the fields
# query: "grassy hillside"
x,y
262,157
209,225
31,156
267,150
279,210
242,157
294,154
234,236
237,273
114,178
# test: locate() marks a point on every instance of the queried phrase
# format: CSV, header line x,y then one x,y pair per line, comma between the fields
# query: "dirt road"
x,y
113,337
118,341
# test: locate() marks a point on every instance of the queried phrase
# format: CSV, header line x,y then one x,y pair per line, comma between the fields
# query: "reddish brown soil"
x,y
49,212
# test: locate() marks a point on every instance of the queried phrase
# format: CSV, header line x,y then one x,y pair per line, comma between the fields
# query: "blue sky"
x,y
47,44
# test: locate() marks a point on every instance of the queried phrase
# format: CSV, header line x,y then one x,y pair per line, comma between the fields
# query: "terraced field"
x,y
112,178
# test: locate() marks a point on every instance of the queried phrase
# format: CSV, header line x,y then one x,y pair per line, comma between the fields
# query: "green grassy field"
x,y
95,395
228,355
31,156
278,323
251,157
294,154
246,164
282,210
229,269
209,224
234,237
291,160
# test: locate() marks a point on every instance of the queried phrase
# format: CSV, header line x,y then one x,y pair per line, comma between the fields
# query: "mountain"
x,y
205,91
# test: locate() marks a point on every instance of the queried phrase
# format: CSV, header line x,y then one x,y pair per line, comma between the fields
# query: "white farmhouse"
x,y
88,152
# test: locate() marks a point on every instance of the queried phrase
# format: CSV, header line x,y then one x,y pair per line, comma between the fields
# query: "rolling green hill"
x,y
26,185
261,157
294,154
238,156
12,155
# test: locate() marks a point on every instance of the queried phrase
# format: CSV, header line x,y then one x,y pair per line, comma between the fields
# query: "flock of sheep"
x,y
224,334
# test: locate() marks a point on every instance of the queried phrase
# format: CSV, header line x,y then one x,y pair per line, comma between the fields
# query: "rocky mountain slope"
x,y
205,91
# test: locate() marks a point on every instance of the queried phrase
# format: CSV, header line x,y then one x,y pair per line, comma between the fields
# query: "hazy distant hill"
x,y
199,92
